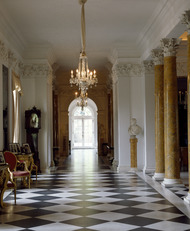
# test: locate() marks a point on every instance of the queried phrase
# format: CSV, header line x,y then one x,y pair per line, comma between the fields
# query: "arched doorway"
x,y
83,125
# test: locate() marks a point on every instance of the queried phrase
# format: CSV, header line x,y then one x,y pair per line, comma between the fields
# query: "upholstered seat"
x,y
11,159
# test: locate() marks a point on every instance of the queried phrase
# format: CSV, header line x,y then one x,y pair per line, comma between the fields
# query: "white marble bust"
x,y
134,129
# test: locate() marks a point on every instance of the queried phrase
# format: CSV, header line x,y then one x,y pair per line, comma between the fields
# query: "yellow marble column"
x,y
171,137
133,146
186,20
157,55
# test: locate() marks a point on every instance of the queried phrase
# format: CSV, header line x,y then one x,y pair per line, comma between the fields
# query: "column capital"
x,y
157,56
148,66
169,46
185,19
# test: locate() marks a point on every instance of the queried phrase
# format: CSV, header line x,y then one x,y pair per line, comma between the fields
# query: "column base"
x,y
115,163
122,169
158,176
187,198
167,183
133,170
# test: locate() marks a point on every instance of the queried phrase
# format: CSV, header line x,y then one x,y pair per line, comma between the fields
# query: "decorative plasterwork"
x,y
3,52
185,19
36,70
14,62
148,67
169,46
157,56
127,70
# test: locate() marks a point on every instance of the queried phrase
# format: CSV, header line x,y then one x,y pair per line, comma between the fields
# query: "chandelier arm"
x,y
83,30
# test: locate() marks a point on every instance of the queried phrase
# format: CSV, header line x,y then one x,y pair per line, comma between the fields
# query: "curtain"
x,y
17,92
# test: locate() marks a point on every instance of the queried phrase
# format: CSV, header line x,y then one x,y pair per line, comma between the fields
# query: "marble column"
x,y
186,20
157,56
171,137
133,147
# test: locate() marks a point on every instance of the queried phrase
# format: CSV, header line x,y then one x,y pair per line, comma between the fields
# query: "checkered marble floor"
x,y
180,191
87,195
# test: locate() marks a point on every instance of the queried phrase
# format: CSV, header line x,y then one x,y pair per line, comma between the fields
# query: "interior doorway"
x,y
83,126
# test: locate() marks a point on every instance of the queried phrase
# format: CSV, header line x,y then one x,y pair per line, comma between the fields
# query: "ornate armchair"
x,y
11,159
6,183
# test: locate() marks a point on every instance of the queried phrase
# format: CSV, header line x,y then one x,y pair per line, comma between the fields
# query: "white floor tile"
x,y
168,226
56,227
152,206
107,207
113,226
109,216
5,227
58,217
160,215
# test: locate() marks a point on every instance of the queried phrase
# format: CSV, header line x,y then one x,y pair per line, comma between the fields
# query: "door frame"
x,y
91,104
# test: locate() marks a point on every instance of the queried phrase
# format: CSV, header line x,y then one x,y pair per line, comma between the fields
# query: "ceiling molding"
x,y
157,29
10,32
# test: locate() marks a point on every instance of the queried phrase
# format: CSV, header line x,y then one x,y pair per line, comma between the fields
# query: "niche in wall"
x,y
5,107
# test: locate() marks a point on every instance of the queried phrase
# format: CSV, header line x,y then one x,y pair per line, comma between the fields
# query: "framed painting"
x,y
2,159
26,148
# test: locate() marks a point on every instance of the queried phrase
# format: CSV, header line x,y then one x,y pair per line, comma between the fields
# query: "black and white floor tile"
x,y
182,190
87,195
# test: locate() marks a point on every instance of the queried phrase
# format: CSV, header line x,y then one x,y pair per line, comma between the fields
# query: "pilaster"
x,y
122,74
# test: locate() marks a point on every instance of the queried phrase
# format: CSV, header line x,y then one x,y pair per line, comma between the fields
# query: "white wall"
x,y
137,111
38,92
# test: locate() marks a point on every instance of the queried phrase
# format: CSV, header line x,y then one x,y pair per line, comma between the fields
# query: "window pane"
x,y
77,133
88,133
85,112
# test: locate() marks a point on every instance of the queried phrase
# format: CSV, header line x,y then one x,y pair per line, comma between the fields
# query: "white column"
x,y
149,122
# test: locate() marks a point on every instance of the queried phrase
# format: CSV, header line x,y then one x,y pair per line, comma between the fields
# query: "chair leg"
x,y
29,182
36,173
15,194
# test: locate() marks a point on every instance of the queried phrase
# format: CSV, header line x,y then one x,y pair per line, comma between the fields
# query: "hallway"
x,y
85,194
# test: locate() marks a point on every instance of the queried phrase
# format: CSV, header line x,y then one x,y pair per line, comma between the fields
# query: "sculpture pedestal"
x,y
133,146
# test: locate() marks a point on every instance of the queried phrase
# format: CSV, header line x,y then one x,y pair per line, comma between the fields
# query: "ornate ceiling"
x,y
114,28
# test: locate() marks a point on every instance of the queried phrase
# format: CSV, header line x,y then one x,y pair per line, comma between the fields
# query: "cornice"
x,y
11,32
166,23
36,70
3,53
148,67
127,70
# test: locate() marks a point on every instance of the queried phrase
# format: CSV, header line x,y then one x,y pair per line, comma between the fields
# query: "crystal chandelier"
x,y
81,100
84,77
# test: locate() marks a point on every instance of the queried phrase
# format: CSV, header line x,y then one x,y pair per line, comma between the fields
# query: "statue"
x,y
134,129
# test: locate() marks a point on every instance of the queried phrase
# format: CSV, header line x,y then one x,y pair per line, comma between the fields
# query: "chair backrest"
x,y
11,159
